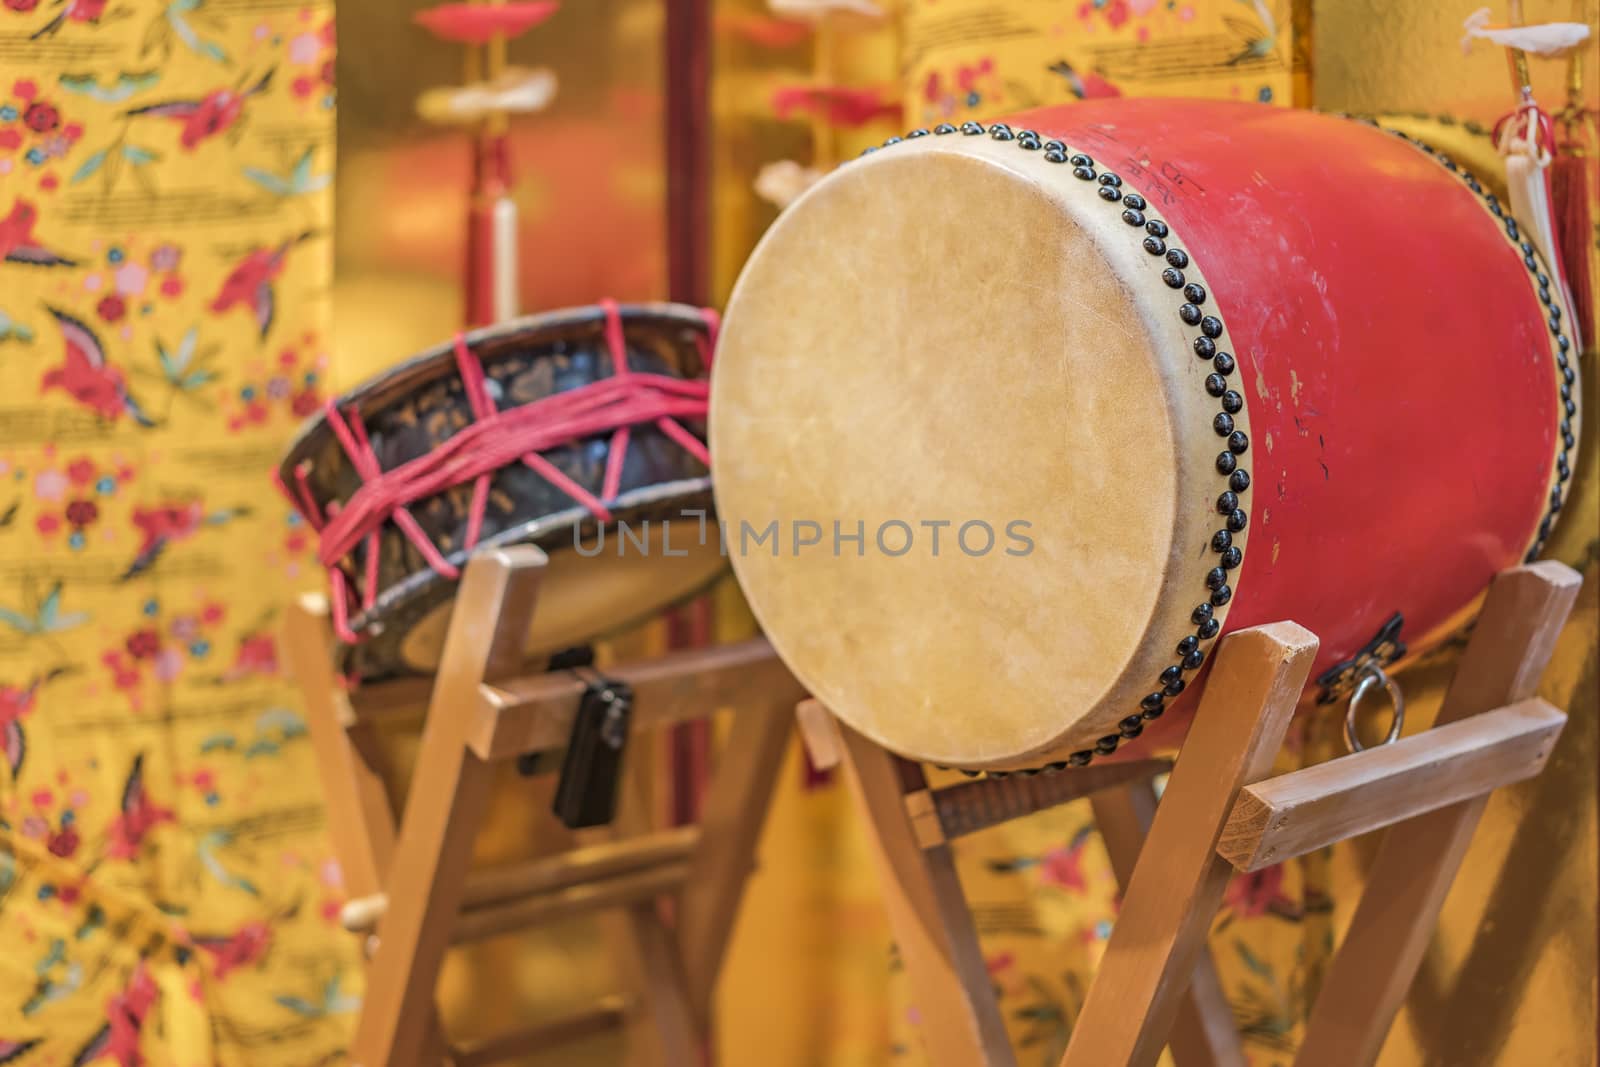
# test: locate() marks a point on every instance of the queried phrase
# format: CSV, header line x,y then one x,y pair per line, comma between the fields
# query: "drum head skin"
x,y
944,352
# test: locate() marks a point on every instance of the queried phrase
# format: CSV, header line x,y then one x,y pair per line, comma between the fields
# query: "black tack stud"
x,y
1232,558
1562,343
1567,440
1223,424
1216,385
1107,745
1568,375
1237,520
1053,156
1188,645
1205,347
1221,540
971,128
1239,481
1211,326
869,149
1195,293
917,133
1201,613
1224,363
1134,200
1175,688
1151,701
1151,714
1155,228
1188,312
1226,463
1054,146
1232,402
1059,765
1221,596
1110,194
1001,132
1083,173
1131,731
1238,443
1154,245
1173,277
1081,160
1170,675
1215,579
892,140
1227,502
944,128
1208,629
1132,217
1080,759
1177,257
1529,262
1572,409
1110,179
1192,661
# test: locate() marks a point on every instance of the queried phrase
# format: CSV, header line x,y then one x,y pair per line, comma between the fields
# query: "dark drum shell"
x,y
411,409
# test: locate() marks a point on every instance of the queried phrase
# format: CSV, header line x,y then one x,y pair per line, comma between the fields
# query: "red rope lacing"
x,y
495,439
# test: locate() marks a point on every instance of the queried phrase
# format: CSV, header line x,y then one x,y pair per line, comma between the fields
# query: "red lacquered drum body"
x,y
1263,365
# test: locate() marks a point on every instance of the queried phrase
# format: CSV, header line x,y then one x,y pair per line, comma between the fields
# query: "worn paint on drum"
x,y
1366,291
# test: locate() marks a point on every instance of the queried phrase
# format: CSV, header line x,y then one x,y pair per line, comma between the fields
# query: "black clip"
x,y
586,793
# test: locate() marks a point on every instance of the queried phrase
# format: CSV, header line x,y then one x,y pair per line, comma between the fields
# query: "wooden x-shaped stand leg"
x,y
414,887
1220,813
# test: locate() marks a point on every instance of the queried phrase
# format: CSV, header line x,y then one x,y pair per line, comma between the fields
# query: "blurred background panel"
x,y
589,171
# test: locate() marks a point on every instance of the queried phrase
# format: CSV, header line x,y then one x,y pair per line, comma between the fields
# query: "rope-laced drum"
x,y
1042,408
549,430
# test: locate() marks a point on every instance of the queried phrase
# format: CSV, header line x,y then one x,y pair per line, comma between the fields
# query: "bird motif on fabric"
x,y
86,376
89,11
251,280
171,523
16,702
215,113
139,816
18,243
247,945
126,1012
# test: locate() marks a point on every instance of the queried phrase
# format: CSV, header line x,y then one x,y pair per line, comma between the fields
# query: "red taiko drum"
x,y
1037,410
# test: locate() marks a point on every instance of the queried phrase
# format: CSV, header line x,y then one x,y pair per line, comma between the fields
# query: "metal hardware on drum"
x,y
1371,677
586,793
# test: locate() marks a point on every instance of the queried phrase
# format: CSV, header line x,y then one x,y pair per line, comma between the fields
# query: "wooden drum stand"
x,y
1220,813
412,885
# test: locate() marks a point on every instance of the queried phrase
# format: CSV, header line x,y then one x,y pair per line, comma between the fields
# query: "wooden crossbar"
x,y
535,713
1296,813
940,815
515,881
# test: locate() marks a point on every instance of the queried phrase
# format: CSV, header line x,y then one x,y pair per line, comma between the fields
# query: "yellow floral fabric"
x,y
166,891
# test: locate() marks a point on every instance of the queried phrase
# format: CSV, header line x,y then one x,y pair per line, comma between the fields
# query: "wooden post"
x,y
1204,1033
961,1021
1179,880
1367,982
735,810
349,761
450,790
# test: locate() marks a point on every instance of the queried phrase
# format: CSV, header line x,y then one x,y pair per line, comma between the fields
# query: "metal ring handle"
x,y
1371,677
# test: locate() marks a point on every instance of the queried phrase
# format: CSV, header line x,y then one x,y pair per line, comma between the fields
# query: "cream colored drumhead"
x,y
963,356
